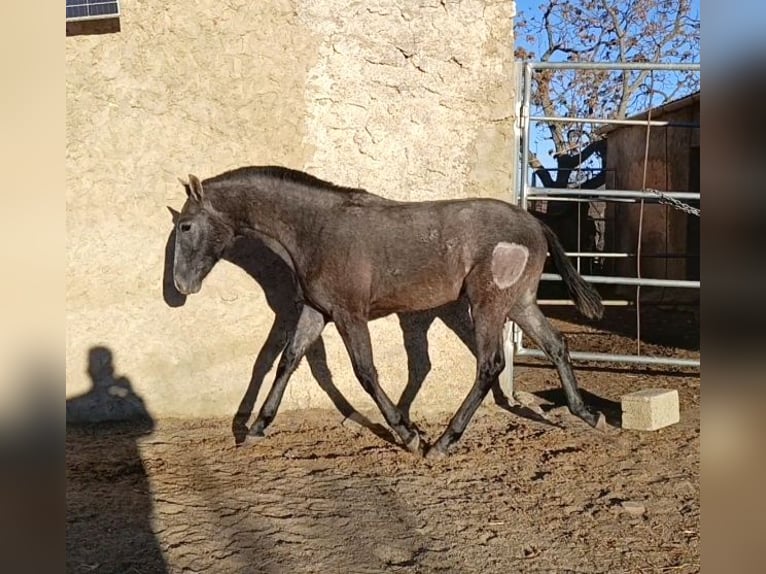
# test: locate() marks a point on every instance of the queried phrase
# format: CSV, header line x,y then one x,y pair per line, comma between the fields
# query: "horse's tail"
x,y
586,298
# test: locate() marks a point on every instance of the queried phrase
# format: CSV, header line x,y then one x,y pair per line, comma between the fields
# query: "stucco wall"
x,y
409,101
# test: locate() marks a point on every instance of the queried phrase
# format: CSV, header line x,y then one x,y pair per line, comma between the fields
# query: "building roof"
x,y
656,111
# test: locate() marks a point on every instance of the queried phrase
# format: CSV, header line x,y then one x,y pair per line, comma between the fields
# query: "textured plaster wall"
x,y
409,100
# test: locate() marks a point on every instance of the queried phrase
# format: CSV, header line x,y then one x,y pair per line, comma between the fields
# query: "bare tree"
x,y
603,31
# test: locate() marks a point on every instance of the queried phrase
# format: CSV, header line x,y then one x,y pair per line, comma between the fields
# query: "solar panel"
x,y
91,9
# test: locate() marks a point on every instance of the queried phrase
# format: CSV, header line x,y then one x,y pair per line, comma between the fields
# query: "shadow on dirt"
x,y
555,398
108,499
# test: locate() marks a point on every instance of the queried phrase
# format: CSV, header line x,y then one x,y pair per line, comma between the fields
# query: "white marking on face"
x,y
508,262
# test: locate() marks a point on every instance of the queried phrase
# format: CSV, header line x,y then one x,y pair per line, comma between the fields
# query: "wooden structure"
x,y
670,238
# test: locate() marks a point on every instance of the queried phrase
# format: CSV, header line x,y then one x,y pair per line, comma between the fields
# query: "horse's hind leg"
x,y
415,331
490,362
310,325
356,337
533,323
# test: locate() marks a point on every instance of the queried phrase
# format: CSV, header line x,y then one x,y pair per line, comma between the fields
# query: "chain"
x,y
673,202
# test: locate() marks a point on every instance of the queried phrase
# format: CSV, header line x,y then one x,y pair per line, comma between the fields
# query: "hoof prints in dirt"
x,y
315,497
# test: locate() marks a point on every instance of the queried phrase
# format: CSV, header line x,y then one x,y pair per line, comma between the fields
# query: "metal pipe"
x,y
569,302
616,303
625,122
595,254
618,193
576,199
611,66
609,358
579,169
525,134
655,255
629,281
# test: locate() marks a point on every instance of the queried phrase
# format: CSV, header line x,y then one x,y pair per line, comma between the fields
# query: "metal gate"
x,y
525,192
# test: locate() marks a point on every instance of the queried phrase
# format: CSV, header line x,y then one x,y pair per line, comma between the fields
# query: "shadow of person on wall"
x,y
108,499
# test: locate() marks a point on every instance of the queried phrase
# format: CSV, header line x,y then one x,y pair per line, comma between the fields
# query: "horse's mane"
x,y
250,173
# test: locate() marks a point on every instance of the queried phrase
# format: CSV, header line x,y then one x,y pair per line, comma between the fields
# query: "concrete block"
x,y
650,409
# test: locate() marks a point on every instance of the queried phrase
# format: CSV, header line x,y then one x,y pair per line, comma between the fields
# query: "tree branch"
x,y
595,182
620,33
540,171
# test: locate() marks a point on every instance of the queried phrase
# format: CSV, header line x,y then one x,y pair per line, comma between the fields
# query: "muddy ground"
x,y
521,492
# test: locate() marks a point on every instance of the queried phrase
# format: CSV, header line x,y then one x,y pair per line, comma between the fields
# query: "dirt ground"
x,y
532,490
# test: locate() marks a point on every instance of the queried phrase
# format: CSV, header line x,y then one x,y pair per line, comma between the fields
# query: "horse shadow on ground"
x,y
555,398
283,296
106,476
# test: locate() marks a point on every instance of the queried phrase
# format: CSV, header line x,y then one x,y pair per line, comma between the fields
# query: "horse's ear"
x,y
174,214
194,190
187,188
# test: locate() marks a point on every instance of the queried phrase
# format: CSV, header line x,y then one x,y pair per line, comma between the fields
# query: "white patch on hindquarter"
x,y
508,262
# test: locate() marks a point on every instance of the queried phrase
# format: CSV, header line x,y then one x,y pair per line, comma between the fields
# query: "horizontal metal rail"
x,y
569,302
581,199
612,66
614,303
598,169
597,254
644,282
629,255
610,358
606,193
626,122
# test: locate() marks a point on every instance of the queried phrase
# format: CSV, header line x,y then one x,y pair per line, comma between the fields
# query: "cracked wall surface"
x,y
409,100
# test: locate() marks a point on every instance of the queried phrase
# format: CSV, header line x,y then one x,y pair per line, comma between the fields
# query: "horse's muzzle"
x,y
185,289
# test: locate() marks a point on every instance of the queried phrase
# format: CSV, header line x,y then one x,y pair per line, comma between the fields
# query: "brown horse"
x,y
357,259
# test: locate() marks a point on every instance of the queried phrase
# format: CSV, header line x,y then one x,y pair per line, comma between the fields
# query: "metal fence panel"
x,y
525,192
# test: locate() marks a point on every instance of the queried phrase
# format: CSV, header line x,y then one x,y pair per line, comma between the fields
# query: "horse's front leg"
x,y
310,325
356,336
275,343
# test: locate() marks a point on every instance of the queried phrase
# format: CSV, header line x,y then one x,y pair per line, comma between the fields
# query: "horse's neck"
x,y
287,214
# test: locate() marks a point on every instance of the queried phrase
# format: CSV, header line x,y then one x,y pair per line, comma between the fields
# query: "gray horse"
x,y
358,259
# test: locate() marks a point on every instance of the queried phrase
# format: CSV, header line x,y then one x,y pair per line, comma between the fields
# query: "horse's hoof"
x,y
435,453
239,430
251,438
600,423
595,420
590,417
415,445
240,436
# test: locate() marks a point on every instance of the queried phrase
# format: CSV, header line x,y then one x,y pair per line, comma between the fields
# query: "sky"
x,y
750,26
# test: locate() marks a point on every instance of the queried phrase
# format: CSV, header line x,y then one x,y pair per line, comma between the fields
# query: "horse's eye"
x,y
185,226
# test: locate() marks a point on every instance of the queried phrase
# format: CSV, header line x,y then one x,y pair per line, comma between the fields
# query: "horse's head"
x,y
201,238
